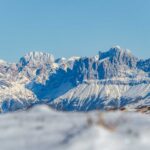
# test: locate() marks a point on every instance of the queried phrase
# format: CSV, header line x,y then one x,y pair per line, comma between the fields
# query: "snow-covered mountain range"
x,y
110,80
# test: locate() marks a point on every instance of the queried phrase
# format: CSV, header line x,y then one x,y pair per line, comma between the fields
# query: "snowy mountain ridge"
x,y
110,80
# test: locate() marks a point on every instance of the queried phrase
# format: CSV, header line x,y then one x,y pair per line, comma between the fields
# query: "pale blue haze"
x,y
73,27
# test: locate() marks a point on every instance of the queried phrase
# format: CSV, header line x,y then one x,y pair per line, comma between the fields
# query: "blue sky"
x,y
73,27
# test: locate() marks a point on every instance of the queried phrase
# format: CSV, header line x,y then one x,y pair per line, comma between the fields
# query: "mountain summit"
x,y
37,57
114,79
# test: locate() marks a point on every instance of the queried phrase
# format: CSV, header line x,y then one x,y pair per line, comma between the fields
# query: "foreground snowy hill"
x,y
43,129
114,79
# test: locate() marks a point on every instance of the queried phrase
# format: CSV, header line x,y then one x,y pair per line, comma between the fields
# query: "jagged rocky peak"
x,y
118,55
115,51
37,57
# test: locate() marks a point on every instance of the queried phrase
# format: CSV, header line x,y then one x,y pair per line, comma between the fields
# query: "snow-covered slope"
x,y
92,95
109,80
43,129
